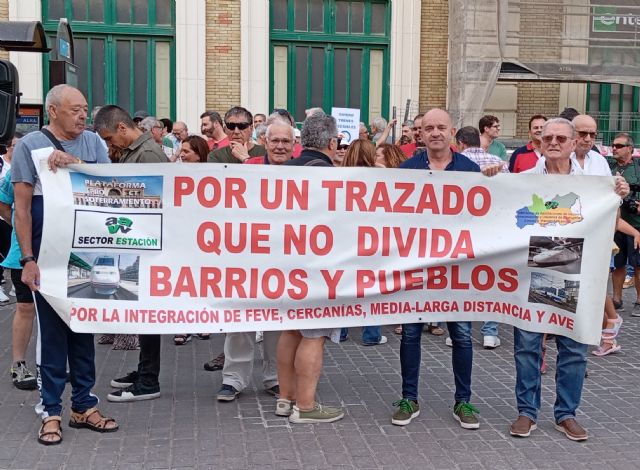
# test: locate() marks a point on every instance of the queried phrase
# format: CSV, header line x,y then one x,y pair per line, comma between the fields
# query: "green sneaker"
x,y
319,414
465,414
407,410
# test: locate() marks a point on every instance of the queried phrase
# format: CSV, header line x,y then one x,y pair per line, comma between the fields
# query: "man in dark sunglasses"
x,y
238,125
586,154
623,162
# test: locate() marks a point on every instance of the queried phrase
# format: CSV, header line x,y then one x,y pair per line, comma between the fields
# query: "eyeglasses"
x,y
561,139
277,142
584,134
239,125
620,146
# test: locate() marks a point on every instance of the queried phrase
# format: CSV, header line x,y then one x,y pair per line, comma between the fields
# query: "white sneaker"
x,y
12,292
491,342
383,340
259,336
3,296
448,342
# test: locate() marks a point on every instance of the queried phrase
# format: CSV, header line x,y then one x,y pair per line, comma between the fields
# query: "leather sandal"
x,y
81,420
57,432
180,340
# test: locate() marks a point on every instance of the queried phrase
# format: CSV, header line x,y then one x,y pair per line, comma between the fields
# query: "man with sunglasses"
x,y
238,125
586,155
558,141
623,163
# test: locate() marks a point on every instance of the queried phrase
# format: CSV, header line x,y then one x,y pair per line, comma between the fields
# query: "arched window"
x,y
125,51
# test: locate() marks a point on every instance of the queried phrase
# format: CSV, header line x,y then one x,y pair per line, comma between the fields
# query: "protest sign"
x,y
348,121
221,248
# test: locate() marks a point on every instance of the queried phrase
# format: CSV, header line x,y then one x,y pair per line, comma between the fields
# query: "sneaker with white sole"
x,y
407,410
134,393
284,407
491,342
465,414
448,342
383,340
126,381
3,296
318,414
228,393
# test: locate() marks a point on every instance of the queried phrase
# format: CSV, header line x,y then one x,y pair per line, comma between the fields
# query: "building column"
x,y
191,48
405,56
254,62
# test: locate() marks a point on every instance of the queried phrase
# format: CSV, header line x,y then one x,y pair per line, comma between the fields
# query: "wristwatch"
x,y
25,259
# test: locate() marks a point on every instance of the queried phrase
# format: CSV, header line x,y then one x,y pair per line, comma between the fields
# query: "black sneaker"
x,y
273,391
126,381
134,393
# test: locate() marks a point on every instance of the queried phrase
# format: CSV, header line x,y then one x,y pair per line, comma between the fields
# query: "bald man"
x,y
585,154
437,133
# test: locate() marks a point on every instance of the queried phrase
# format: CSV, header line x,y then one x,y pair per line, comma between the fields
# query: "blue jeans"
x,y
489,328
461,359
370,334
570,369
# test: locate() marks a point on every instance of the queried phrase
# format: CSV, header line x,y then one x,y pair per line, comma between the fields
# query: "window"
x,y
124,49
615,107
327,53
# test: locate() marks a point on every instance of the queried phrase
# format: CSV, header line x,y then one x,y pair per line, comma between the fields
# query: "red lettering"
x,y
355,192
509,276
407,189
182,186
159,284
488,272
437,236
258,236
332,186
210,280
297,280
269,293
455,279
235,278
365,279
332,281
367,234
485,199
234,190
449,193
185,283
437,277
463,245
380,198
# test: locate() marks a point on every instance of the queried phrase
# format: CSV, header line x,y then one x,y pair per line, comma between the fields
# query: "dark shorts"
x,y
627,254
23,293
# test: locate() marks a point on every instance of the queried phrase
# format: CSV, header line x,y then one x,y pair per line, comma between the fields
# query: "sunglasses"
x,y
232,126
584,134
561,139
620,146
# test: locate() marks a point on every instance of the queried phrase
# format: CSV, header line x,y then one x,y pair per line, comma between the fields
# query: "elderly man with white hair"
x,y
558,141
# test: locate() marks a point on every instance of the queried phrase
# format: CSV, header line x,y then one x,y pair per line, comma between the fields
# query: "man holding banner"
x,y
437,132
57,343
558,142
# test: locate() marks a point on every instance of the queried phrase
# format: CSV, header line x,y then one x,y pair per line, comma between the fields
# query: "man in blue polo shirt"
x,y
437,132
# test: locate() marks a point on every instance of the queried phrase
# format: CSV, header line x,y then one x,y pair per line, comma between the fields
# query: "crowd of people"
x,y
292,360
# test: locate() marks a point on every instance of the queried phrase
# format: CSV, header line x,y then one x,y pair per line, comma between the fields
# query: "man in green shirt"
x,y
238,125
489,127
118,130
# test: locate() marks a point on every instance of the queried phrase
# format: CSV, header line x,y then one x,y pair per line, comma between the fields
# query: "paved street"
x,y
187,428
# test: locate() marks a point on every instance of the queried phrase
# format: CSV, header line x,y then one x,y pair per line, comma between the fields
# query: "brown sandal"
x,y
81,420
58,432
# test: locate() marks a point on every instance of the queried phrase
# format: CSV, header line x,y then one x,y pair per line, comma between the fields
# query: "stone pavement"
x,y
188,428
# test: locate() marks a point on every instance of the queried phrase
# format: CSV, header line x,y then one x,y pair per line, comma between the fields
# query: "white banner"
x,y
222,248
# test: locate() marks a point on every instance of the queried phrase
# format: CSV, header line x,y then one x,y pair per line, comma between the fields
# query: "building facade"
x,y
177,58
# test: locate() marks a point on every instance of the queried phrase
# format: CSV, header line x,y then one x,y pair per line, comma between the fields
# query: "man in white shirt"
x,y
584,155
